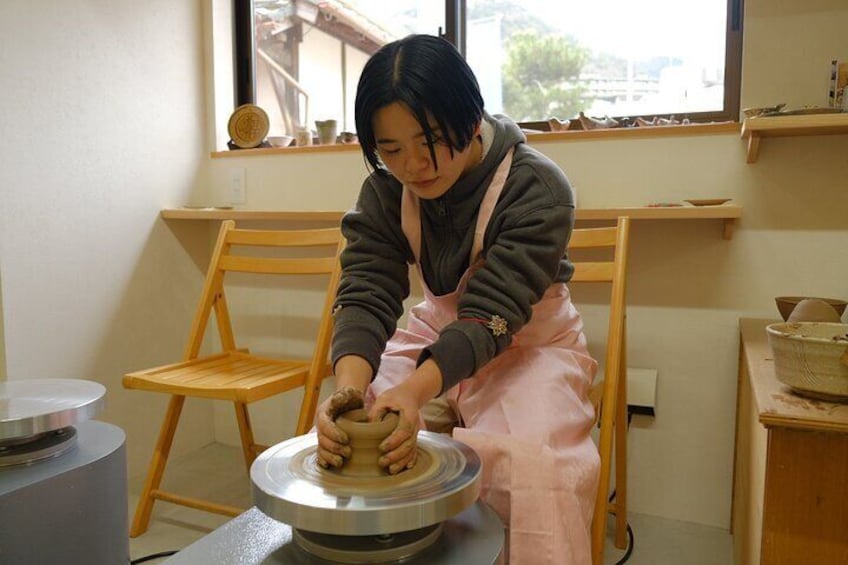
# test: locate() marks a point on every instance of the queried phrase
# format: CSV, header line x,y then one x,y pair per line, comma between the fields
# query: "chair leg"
x,y
246,433
621,463
157,466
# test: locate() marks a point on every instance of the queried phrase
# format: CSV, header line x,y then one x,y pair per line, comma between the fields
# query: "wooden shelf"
x,y
239,214
754,129
726,213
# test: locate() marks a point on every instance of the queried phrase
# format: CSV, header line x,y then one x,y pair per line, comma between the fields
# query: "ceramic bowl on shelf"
x,y
759,111
786,304
707,201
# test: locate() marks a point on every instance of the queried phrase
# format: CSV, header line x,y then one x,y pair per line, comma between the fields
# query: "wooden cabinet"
x,y
790,487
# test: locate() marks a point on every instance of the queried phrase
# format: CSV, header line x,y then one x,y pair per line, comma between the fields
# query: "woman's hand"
x,y
333,446
353,373
400,449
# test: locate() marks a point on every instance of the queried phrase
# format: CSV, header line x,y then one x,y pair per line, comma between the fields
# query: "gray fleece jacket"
x,y
524,251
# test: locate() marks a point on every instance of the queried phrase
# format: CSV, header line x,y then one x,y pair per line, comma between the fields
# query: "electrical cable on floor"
x,y
153,556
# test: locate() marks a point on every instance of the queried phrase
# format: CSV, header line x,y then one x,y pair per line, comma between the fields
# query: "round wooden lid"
x,y
248,126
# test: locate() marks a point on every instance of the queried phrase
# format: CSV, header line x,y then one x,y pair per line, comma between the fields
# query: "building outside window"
x,y
537,61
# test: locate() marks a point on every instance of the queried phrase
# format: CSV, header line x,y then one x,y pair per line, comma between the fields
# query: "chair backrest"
x,y
232,253
609,396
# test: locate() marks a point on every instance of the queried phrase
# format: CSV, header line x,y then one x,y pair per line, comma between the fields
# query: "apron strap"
x,y
493,193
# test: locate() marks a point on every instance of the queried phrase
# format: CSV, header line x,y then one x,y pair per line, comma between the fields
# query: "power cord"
x,y
153,556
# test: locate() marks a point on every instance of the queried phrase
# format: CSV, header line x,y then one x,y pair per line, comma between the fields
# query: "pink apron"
x,y
526,413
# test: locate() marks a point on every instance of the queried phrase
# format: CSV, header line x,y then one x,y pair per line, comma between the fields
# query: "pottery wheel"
x,y
289,486
37,416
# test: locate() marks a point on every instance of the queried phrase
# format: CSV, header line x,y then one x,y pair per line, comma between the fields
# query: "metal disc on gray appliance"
x,y
289,486
33,406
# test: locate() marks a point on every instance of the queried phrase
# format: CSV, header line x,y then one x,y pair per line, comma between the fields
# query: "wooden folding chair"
x,y
609,396
234,374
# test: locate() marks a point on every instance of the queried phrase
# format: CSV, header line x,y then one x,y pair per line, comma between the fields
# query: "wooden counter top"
x,y
727,213
778,406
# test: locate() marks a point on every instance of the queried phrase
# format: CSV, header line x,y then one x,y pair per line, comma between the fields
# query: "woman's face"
x,y
402,147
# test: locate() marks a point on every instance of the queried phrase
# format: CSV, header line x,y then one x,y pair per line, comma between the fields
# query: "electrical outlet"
x,y
641,391
238,186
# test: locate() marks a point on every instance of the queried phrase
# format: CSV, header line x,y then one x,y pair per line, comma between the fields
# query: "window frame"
x,y
244,67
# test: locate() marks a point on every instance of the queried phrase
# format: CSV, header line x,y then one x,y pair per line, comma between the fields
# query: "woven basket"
x,y
807,357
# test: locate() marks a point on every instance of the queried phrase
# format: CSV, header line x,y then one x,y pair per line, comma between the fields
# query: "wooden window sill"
x,y
532,137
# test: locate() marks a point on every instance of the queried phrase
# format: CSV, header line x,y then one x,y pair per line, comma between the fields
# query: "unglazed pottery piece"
x,y
786,304
365,437
814,310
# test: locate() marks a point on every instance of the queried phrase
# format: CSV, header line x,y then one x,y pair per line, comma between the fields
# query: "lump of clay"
x,y
813,310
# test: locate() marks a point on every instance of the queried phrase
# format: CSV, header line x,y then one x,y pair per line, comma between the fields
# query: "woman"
x,y
496,351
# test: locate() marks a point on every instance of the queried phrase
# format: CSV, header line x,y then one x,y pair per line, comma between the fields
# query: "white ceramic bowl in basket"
x,y
807,358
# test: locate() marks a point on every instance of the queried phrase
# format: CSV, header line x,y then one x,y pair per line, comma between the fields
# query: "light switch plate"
x,y
238,186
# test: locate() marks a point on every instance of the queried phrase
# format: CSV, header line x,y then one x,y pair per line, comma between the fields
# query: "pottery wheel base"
x,y
23,451
386,548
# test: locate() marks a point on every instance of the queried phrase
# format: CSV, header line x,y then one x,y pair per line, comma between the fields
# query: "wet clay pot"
x,y
365,437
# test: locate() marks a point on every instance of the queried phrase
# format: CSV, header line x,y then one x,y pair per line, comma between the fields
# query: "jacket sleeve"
x,y
523,254
375,276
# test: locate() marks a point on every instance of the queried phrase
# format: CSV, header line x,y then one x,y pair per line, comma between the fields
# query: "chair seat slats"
x,y
234,376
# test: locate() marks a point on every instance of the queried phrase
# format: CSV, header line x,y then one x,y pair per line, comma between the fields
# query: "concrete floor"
x,y
658,541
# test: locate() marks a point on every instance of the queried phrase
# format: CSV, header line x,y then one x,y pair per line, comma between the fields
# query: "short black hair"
x,y
427,75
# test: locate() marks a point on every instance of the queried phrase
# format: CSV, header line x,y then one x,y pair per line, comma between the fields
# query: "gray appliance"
x,y
63,485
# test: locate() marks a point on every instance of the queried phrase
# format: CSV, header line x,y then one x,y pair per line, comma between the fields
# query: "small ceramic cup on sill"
x,y
303,137
326,131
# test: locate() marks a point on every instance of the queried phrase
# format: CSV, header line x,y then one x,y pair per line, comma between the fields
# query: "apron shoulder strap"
x,y
493,193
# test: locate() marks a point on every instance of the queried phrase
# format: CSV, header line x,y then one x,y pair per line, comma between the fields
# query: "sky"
x,y
622,27
695,28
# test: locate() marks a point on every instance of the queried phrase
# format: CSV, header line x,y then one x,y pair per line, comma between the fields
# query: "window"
x,y
535,59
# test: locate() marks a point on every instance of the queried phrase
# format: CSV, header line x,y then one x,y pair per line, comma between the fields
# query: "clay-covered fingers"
x,y
400,449
332,441
333,446
345,399
331,453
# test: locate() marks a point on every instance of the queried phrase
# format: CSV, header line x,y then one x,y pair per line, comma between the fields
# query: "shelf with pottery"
x,y
726,213
754,129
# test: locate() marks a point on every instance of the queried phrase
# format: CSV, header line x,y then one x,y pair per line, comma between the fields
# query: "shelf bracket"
x,y
728,224
753,148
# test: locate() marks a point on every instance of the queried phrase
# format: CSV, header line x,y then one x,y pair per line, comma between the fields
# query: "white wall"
x,y
102,107
2,336
106,104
